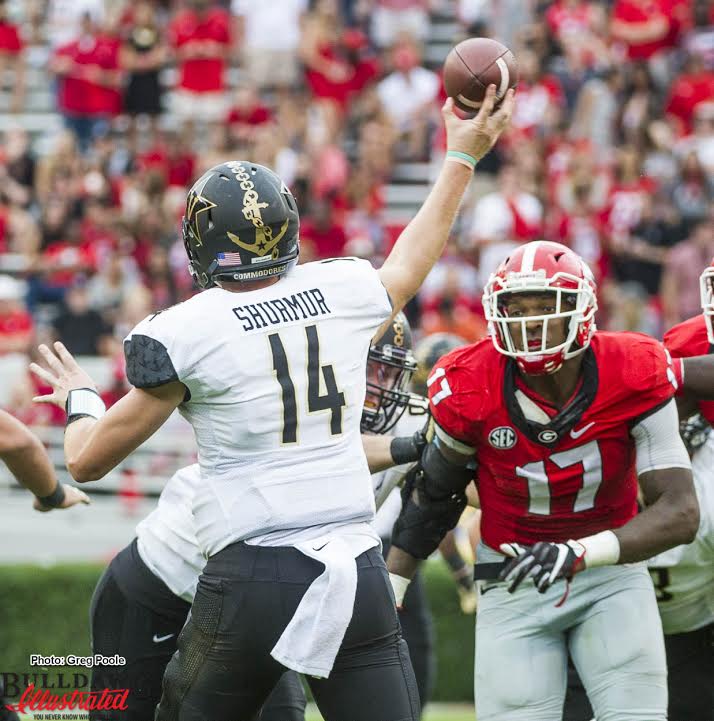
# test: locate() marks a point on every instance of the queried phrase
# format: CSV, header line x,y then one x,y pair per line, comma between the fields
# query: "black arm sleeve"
x,y
433,500
148,364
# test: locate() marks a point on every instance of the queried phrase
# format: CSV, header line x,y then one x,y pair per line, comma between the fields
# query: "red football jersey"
x,y
688,339
572,475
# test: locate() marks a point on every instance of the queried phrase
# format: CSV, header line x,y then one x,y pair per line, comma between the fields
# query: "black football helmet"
x,y
428,352
241,223
390,365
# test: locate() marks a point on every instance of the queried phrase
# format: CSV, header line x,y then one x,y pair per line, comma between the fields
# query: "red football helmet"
x,y
706,288
542,267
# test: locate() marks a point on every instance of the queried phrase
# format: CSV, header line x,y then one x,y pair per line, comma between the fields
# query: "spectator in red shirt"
x,y
627,197
648,29
16,326
246,114
200,36
88,68
62,262
337,63
321,231
171,156
11,57
694,86
574,24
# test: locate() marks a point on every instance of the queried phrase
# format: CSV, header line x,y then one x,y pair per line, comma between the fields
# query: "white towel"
x,y
312,639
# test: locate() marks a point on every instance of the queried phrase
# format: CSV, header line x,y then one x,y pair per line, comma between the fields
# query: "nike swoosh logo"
x,y
159,639
577,434
320,548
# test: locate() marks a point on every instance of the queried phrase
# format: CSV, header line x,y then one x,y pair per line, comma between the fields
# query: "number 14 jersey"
x,y
275,383
547,475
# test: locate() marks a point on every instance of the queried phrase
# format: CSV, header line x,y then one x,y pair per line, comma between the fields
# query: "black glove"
x,y
694,431
545,563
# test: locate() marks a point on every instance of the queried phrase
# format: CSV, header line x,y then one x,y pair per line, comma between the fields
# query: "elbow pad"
x,y
441,477
432,503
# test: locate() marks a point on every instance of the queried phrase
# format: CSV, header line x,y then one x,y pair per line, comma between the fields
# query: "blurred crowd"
x,y
611,150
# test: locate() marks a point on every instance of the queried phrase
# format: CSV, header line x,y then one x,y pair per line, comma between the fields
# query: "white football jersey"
x,y
167,538
684,575
387,495
276,378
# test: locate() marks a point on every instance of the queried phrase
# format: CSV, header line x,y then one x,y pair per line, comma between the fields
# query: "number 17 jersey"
x,y
275,382
547,475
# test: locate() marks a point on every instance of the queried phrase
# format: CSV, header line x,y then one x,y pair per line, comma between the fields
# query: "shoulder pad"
x,y
635,372
688,338
463,386
148,363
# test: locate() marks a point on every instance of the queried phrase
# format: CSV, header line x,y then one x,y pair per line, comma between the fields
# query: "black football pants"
x,y
135,615
418,631
247,595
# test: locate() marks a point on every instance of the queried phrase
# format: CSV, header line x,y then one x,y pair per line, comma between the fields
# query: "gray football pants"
x,y
610,625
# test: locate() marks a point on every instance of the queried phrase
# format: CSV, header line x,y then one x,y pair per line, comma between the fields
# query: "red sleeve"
x,y
649,376
453,398
687,339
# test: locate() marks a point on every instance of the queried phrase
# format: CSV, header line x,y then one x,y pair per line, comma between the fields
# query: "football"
x,y
472,65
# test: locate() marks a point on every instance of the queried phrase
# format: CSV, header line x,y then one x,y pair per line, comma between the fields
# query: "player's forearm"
x,y
94,447
671,520
423,241
29,463
385,452
82,463
698,376
401,563
376,448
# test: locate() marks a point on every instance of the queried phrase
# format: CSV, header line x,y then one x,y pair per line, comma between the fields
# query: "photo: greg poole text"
x,y
97,659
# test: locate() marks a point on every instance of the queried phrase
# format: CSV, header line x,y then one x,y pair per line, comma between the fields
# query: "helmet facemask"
x,y
706,289
389,373
573,300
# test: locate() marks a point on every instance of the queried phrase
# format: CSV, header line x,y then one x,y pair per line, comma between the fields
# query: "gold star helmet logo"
x,y
196,204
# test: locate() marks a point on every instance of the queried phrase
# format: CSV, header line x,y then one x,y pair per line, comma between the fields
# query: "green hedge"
x,y
46,611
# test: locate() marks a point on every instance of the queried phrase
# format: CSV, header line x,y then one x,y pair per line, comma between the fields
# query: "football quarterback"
x,y
268,366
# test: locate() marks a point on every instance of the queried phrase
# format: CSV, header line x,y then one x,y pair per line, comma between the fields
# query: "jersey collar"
x,y
550,434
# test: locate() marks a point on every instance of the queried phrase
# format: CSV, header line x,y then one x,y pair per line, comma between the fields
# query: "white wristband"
x,y
399,586
602,549
84,402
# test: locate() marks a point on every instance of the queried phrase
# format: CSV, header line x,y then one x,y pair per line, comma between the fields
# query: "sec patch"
x,y
503,438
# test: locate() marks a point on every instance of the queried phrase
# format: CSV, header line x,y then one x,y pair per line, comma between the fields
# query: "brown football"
x,y
472,66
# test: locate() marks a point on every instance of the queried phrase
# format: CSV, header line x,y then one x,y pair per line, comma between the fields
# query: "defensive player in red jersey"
x,y
684,577
556,423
